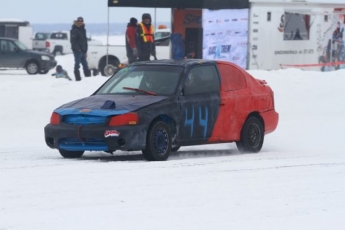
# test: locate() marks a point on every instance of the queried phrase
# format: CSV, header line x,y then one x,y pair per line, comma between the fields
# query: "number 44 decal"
x,y
203,118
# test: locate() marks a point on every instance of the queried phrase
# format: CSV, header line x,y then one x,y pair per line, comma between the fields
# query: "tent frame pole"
x,y
107,58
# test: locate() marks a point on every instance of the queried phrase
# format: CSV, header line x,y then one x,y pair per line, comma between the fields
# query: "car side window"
x,y
232,77
7,46
11,46
3,45
202,79
41,36
61,36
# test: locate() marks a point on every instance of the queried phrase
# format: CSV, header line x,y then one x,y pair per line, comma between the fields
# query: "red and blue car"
x,y
159,106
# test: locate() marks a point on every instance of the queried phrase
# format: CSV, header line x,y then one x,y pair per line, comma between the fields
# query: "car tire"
x,y
158,142
103,63
175,149
44,71
95,72
57,51
252,136
32,67
71,154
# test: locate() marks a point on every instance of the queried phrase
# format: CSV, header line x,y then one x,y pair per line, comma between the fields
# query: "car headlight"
x,y
45,58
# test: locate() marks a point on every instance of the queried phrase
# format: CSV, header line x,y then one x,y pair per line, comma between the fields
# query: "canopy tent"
x,y
177,4
196,4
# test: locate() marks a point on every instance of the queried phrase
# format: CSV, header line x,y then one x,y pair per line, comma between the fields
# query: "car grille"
x,y
89,144
84,119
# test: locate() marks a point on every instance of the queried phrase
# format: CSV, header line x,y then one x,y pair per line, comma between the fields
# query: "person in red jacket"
x,y
131,47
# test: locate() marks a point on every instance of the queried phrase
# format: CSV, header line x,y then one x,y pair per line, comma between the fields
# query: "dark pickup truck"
x,y
14,55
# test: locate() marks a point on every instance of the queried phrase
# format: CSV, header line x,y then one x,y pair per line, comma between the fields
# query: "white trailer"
x,y
294,33
17,29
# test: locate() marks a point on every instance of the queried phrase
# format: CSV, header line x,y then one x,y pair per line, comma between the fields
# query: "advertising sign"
x,y
332,43
225,35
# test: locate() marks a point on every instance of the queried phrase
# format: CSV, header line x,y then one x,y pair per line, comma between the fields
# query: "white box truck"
x,y
17,29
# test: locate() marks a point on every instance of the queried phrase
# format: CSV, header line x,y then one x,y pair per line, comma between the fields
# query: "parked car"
x,y
59,43
159,106
14,54
97,55
39,41
162,33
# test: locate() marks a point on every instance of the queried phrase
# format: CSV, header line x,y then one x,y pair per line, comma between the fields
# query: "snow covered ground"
x,y
296,182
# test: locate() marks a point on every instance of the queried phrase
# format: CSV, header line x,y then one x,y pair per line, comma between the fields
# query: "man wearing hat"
x,y
79,48
145,38
131,46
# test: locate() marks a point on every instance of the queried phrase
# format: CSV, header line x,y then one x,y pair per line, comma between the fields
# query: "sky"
x,y
295,182
65,11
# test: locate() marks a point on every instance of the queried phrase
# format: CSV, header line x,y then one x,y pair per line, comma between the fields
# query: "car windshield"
x,y
149,80
159,35
20,45
42,36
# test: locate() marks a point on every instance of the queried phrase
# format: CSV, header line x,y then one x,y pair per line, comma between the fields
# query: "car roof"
x,y
10,39
60,31
172,62
163,30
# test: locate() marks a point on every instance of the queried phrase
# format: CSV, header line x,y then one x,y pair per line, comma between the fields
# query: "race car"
x,y
158,106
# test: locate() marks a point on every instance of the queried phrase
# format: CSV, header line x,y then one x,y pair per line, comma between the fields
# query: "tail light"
x,y
55,119
124,119
47,44
272,95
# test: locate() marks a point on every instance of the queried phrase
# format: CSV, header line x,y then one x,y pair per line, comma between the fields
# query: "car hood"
x,y
39,53
108,105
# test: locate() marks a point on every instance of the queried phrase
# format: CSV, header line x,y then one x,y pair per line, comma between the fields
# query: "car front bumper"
x,y
48,65
95,137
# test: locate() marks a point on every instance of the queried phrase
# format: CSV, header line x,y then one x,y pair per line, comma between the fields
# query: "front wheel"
x,y
32,67
44,71
158,142
71,154
57,51
175,149
252,136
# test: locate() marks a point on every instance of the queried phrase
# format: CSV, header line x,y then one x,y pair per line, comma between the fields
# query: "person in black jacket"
x,y
79,48
145,39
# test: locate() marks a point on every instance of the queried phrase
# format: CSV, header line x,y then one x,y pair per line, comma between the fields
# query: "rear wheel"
x,y
71,154
112,61
158,142
58,51
95,72
252,136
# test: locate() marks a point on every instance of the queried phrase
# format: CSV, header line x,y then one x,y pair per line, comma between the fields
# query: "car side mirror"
x,y
15,49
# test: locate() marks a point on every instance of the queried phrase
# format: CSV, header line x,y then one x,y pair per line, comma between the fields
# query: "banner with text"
x,y
225,35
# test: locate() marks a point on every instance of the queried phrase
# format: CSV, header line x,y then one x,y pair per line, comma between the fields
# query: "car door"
x,y
199,103
14,55
3,47
234,97
9,54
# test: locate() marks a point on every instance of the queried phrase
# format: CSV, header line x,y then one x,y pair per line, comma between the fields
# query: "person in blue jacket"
x,y
61,73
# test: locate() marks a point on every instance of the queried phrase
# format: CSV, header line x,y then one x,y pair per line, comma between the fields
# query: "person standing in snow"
x,y
79,48
131,46
146,39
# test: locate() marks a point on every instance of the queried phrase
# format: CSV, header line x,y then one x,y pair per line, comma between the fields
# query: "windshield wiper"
x,y
140,90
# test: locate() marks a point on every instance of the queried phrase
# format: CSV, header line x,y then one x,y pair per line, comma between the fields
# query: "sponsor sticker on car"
x,y
111,133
